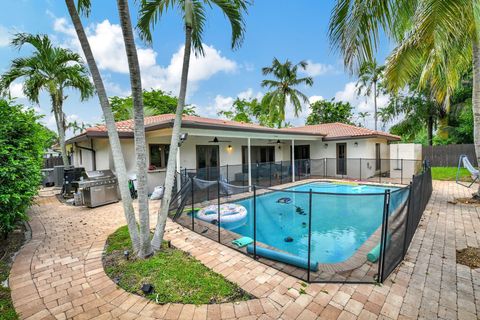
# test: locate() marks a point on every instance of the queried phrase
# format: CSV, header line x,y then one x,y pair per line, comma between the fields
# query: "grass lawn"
x,y
449,173
7,312
176,276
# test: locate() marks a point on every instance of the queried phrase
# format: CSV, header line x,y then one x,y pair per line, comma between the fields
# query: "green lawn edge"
x,y
176,276
450,173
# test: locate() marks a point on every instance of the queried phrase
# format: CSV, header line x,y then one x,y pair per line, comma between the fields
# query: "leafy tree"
x,y
194,17
52,69
283,88
249,111
155,102
22,142
324,111
370,74
438,40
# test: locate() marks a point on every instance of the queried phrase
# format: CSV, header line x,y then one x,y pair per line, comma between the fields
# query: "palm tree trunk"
x,y
60,121
115,145
139,130
172,157
375,103
476,99
430,130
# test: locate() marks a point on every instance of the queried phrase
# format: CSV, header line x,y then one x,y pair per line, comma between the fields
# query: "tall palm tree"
x,y
118,160
139,128
367,84
283,88
51,69
438,40
194,16
363,117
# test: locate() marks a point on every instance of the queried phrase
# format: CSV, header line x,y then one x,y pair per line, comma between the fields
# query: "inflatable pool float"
x,y
231,215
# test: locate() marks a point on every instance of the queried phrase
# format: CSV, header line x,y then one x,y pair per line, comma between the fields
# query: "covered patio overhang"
x,y
237,150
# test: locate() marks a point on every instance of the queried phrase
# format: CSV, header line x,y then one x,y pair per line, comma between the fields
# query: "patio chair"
x,y
463,160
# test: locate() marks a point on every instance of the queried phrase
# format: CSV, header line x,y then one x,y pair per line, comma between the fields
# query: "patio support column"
x,y
249,163
293,160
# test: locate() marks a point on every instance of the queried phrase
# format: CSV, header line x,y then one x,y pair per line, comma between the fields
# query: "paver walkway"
x,y
59,273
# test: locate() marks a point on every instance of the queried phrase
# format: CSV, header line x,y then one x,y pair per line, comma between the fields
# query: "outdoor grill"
x,y
98,187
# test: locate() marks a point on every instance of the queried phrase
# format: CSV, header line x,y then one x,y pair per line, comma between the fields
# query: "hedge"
x,y
22,143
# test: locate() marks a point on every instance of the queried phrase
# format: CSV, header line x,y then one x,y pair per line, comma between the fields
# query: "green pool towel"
x,y
242,242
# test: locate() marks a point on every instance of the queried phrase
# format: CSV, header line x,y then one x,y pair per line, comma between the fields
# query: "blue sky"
x,y
296,30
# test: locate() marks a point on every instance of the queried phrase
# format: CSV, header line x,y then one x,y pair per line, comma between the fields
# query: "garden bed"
x,y
176,276
8,249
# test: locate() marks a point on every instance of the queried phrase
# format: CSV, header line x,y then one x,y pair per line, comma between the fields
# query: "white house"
x,y
240,148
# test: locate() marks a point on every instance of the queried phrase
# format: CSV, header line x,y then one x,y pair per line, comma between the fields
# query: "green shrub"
x,y
22,142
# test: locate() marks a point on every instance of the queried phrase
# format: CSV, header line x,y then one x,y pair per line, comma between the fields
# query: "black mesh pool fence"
x,y
314,236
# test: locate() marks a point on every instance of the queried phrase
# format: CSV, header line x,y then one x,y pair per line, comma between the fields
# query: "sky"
x,y
294,30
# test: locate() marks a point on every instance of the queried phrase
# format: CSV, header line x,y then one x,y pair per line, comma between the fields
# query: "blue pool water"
x,y
343,217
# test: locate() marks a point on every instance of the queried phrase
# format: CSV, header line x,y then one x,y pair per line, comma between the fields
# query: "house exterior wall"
x,y
319,150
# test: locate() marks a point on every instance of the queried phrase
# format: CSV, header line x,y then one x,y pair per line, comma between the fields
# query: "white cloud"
x,y
314,99
4,37
16,90
108,48
222,103
361,103
317,69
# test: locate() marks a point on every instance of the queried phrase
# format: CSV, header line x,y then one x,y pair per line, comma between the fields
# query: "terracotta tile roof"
x,y
153,121
330,131
337,131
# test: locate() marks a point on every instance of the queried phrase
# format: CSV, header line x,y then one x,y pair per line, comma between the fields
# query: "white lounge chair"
x,y
467,165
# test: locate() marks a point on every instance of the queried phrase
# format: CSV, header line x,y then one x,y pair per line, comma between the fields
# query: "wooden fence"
x,y
447,155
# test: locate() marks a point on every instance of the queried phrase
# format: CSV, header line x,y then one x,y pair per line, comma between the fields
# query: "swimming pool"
x,y
343,218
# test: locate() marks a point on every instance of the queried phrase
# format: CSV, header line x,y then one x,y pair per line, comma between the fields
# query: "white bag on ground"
x,y
157,193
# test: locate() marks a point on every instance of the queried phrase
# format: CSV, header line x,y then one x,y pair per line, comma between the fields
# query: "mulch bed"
x,y
469,257
470,201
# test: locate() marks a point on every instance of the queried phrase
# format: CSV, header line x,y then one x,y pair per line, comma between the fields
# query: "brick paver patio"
x,y
59,273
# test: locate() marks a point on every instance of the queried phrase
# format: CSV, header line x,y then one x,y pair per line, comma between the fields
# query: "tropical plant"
x,y
362,117
118,160
437,40
369,76
155,102
22,143
249,111
283,88
51,69
324,111
194,17
76,126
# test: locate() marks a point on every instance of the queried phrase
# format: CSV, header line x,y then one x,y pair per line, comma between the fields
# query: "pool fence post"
x,y
407,219
401,171
360,169
193,206
270,173
309,233
254,222
281,171
383,240
380,174
218,208
228,181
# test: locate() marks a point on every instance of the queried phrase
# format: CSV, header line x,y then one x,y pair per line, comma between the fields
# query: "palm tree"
x,y
367,84
363,117
283,88
51,69
438,41
118,160
194,16
139,127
